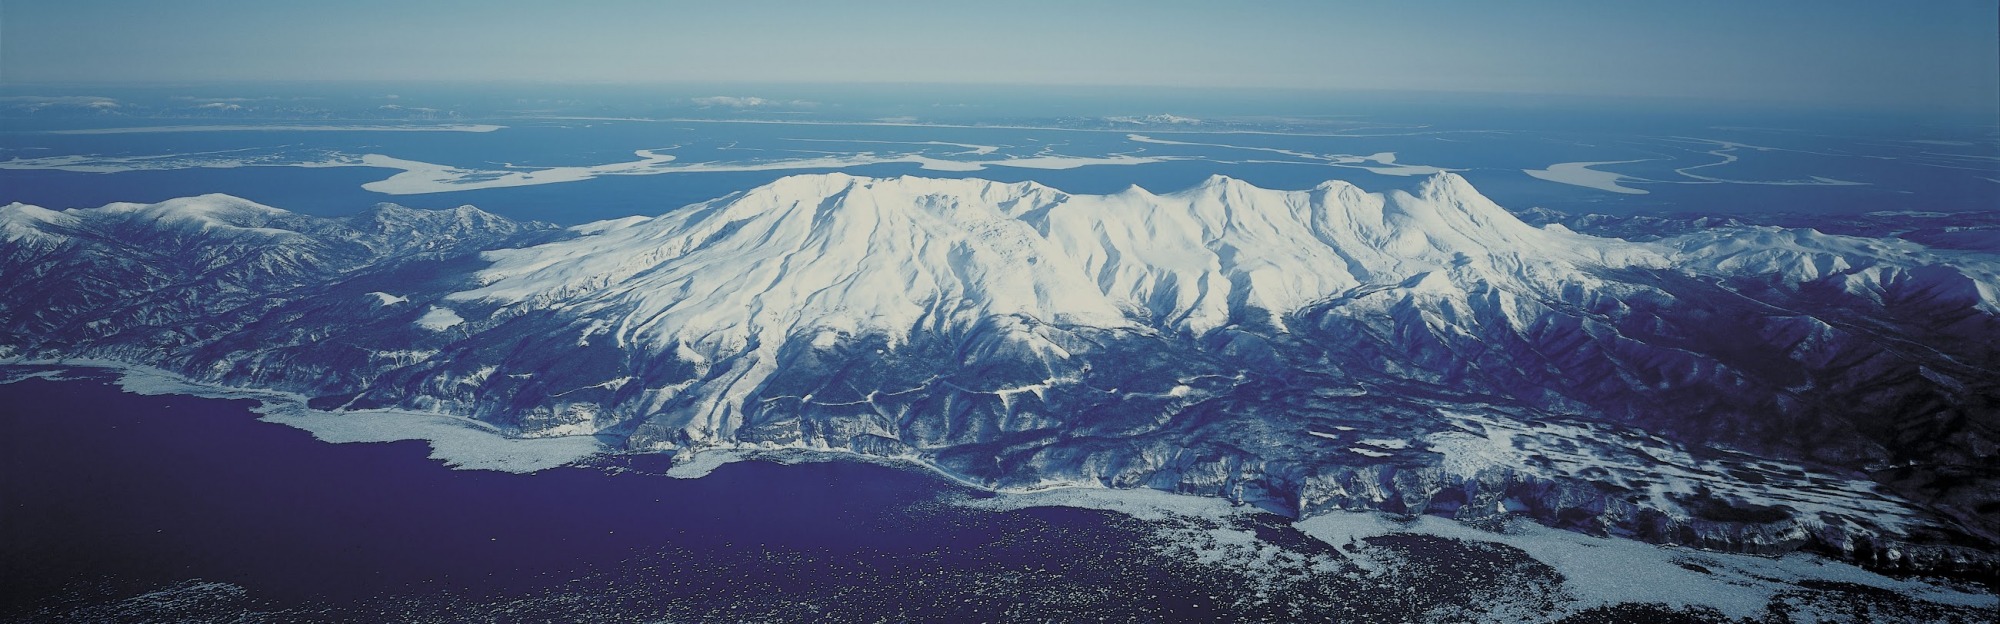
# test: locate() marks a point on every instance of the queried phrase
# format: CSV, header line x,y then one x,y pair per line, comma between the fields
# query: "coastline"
x,y
1738,585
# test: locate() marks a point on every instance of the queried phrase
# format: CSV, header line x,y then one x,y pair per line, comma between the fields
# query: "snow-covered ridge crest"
x,y
829,252
852,255
1317,349
214,211
1864,267
820,261
26,224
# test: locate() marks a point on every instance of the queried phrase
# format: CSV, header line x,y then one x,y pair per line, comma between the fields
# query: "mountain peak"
x,y
1446,182
1223,183
18,211
889,257
1025,336
213,211
220,203
384,210
1335,186
207,205
21,222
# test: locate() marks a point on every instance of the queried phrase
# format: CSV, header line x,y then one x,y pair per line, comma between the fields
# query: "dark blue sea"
x,y
120,507
110,496
1687,159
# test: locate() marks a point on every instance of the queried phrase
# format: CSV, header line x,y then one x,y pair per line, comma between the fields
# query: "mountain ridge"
x,y
1221,340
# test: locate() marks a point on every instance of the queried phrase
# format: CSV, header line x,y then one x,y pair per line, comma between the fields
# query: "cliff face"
x,y
1739,388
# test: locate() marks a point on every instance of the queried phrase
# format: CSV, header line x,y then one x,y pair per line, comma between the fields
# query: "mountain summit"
x,y
1421,352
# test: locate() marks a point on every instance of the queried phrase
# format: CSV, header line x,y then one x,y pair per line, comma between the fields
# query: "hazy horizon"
x,y
1936,56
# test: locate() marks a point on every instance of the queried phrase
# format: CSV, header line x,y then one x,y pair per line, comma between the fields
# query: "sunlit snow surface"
x,y
456,441
1596,570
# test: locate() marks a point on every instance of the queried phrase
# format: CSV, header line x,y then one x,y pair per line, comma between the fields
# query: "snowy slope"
x,y
1305,350
1865,267
808,254
857,255
828,259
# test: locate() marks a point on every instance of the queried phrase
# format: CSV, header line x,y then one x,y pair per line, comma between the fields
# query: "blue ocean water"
x,y
125,507
174,487
1687,159
109,494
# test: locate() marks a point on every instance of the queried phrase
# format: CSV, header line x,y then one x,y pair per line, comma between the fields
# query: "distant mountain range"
x,y
1732,387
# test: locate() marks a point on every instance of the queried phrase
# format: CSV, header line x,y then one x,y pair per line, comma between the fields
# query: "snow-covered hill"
x,y
1420,352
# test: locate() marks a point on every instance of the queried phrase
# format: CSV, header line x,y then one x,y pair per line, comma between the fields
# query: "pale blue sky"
x,y
1931,54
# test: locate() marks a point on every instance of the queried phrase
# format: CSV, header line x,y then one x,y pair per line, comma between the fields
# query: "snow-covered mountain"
x,y
1421,352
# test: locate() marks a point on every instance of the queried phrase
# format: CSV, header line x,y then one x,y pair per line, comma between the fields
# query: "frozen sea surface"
x,y
643,154
142,507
